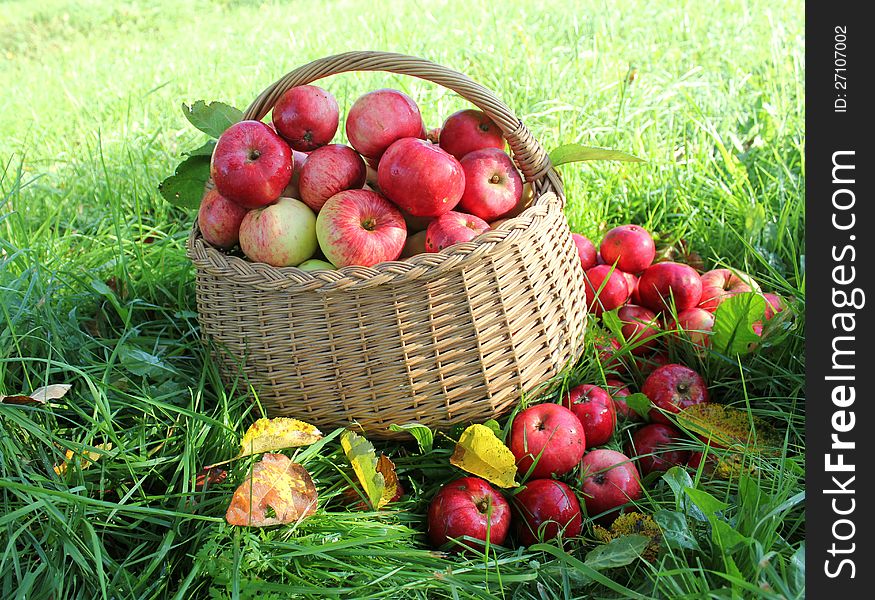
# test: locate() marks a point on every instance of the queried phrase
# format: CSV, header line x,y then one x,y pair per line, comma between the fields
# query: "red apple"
x,y
669,284
453,228
414,244
631,283
469,130
282,234
720,284
648,364
618,391
415,224
672,388
551,435
711,462
329,170
648,445
421,178
698,324
525,202
630,247
608,357
585,250
468,507
379,118
493,186
544,509
251,164
608,480
639,327
306,117
774,305
219,220
606,289
595,409
360,227
292,190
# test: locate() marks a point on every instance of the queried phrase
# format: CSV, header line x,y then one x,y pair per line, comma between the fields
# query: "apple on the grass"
x,y
493,186
468,130
219,219
468,507
630,247
379,118
452,228
306,117
672,388
668,285
608,480
545,509
421,178
606,289
282,234
720,284
595,409
650,443
697,323
251,164
585,250
360,227
640,326
329,170
547,433
619,391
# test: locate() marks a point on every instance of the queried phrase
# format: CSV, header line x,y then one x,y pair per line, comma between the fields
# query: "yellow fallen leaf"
x,y
728,427
266,435
86,458
363,458
387,468
277,491
481,453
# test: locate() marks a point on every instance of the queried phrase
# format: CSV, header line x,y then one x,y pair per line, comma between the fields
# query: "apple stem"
x,y
254,154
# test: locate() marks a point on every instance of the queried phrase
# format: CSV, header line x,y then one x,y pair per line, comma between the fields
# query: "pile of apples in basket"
x,y
290,197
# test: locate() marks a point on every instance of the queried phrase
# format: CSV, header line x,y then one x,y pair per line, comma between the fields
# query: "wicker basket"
x,y
442,338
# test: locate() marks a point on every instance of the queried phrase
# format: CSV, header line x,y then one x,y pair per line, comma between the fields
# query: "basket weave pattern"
x,y
438,338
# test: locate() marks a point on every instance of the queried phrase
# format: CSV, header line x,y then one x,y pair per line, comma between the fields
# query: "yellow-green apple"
x,y
595,409
493,186
292,190
452,228
585,250
672,388
329,170
468,507
545,509
420,178
415,244
650,445
282,234
697,323
219,219
251,164
608,481
548,436
668,285
606,289
360,227
378,119
314,264
640,326
720,284
468,130
630,247
306,117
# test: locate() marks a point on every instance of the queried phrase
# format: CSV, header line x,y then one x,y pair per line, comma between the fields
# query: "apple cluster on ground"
x,y
289,197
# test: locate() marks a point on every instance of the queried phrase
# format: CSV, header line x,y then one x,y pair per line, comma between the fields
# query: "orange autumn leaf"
x,y
277,491
390,479
266,435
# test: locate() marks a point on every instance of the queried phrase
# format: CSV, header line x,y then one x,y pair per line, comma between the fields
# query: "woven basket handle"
x,y
529,156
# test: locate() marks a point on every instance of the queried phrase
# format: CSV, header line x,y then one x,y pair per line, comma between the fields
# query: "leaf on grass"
x,y
726,426
209,476
86,458
675,530
481,453
705,501
577,153
277,491
185,188
142,363
619,552
424,436
38,396
266,435
390,480
733,331
639,403
363,458
213,118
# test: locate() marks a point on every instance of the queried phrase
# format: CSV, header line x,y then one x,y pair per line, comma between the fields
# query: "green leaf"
x,y
424,436
619,552
566,559
705,501
363,458
639,403
496,428
577,153
213,118
733,323
185,188
611,320
107,292
675,530
724,536
142,363
679,480
204,150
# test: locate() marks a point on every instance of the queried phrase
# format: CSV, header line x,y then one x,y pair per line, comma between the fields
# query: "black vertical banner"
x,y
840,247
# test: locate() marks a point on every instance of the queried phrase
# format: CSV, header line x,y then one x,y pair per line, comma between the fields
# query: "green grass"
x,y
95,289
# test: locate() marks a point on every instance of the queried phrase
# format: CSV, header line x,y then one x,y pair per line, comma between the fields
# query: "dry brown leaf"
x,y
277,491
209,476
267,435
38,396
